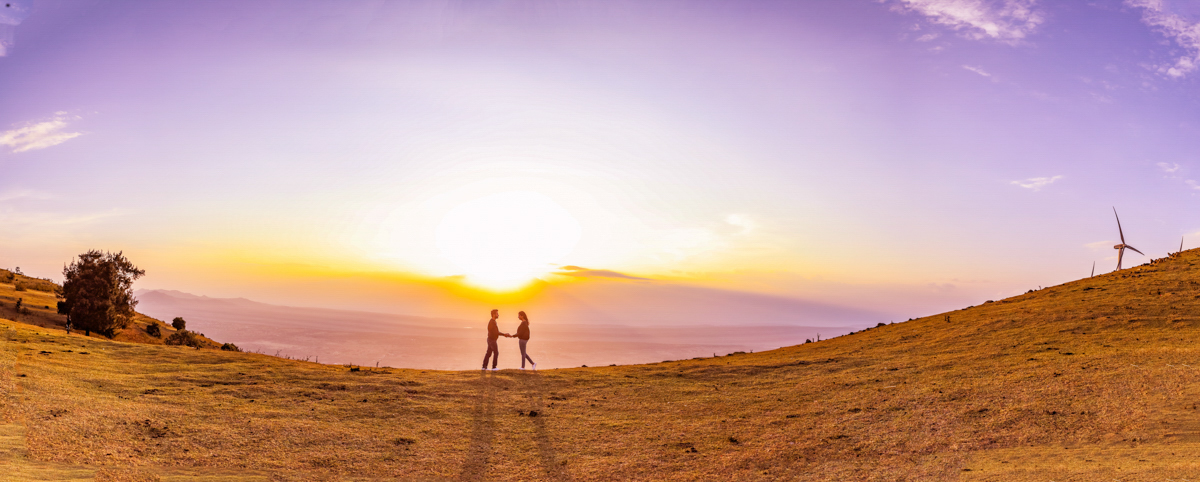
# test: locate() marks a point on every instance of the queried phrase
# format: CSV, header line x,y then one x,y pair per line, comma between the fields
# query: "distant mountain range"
x,y
344,336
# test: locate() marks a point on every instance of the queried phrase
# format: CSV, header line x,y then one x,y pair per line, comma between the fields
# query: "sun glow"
x,y
503,241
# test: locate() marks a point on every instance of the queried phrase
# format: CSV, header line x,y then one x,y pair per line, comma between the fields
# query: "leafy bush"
x,y
154,330
185,338
179,323
230,347
19,286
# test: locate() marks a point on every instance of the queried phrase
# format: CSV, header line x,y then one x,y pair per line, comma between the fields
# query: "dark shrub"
x,y
179,323
186,338
153,329
230,347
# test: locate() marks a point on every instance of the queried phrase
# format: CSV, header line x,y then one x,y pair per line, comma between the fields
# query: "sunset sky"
x,y
900,157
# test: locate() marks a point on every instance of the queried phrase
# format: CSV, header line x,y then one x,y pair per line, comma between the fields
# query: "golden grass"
x,y
1091,380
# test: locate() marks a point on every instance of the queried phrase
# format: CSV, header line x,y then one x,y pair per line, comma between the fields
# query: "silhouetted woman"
x,y
523,336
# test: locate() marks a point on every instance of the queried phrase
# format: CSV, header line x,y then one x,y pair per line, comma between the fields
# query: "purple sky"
x,y
907,156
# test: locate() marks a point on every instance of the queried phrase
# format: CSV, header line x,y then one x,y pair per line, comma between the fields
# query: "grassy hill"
x,y
38,306
1096,379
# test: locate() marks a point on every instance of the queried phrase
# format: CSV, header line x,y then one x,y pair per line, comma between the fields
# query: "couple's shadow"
x,y
483,429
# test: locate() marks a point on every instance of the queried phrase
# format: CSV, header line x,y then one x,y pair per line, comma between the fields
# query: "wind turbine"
x,y
1121,247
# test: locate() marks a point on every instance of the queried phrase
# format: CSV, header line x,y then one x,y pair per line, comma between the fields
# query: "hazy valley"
x,y
363,338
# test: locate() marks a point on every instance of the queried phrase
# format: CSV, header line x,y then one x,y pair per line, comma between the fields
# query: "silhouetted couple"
x,y
493,351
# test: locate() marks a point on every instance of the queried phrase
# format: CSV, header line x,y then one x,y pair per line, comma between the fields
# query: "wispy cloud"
x,y
743,222
680,243
1183,32
23,194
977,70
39,135
1175,171
580,272
1002,20
1036,183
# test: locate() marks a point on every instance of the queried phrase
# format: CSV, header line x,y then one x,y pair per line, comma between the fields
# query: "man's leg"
x,y
495,350
488,355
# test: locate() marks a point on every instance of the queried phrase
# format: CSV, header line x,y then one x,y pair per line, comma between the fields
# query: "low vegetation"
x,y
1091,380
21,282
185,338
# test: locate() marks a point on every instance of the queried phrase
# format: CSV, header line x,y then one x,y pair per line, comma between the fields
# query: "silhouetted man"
x,y
493,351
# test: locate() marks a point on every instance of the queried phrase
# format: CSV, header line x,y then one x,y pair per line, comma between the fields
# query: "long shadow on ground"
x,y
483,430
548,457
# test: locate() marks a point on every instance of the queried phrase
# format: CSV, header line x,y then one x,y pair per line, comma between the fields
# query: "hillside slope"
x,y
32,301
1091,380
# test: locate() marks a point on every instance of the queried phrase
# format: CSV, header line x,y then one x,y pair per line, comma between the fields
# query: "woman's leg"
x,y
524,356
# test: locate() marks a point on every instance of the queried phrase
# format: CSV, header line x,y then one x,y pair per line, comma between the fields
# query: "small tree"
x,y
98,292
153,329
179,323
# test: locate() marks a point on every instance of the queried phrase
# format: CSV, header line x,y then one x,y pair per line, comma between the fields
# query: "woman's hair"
x,y
522,316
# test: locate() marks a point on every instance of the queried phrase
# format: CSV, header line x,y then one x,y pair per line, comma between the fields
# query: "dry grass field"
x,y
1097,379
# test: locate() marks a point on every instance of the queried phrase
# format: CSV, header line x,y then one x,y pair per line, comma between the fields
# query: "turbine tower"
x,y
1121,247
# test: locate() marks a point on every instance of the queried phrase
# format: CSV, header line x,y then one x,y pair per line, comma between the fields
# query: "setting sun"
x,y
502,241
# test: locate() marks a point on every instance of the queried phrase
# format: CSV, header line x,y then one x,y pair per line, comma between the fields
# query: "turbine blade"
x,y
1180,245
1119,226
1135,250
1093,269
